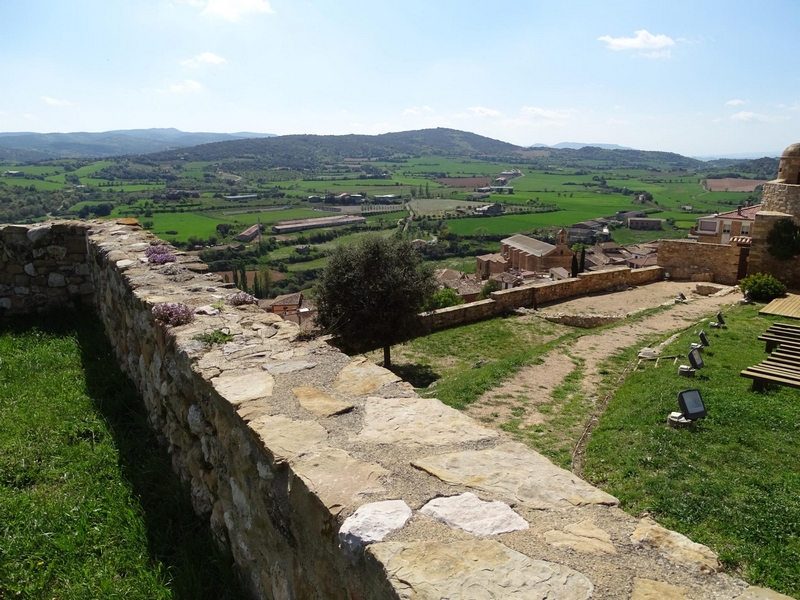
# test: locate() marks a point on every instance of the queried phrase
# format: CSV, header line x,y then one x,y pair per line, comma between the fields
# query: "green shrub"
x,y
762,287
783,240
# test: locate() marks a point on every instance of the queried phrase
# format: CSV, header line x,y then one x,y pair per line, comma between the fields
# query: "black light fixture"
x,y
720,320
691,403
681,296
704,338
695,359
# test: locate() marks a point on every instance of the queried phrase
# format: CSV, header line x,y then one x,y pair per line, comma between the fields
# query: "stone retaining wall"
x,y
327,477
536,294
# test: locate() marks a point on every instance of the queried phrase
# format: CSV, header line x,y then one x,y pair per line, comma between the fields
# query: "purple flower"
x,y
173,314
159,255
240,298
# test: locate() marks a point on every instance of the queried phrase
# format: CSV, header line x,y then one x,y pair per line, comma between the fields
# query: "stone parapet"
x,y
536,294
328,477
761,261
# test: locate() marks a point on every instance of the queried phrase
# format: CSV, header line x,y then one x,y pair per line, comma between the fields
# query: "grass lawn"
x,y
731,481
468,360
625,237
89,505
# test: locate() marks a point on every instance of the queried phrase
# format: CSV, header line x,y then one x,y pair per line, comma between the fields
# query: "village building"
x,y
529,254
490,264
490,210
466,286
287,303
644,223
249,234
720,228
241,197
303,224
13,174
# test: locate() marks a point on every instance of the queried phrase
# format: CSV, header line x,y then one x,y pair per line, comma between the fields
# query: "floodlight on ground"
x,y
691,403
696,346
704,338
720,318
681,296
695,359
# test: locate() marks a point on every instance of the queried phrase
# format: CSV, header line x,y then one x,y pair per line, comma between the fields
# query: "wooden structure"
x,y
782,366
783,307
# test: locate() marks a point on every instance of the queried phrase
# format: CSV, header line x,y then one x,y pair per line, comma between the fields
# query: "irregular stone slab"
x,y
362,377
372,522
676,547
517,474
320,403
286,438
240,386
252,410
584,537
418,422
473,515
475,570
288,366
337,478
647,589
758,593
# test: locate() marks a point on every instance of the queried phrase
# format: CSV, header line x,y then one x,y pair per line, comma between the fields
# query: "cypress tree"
x,y
574,265
583,260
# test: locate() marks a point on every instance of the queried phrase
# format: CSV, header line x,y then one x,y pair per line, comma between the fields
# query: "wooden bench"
x,y
776,336
763,373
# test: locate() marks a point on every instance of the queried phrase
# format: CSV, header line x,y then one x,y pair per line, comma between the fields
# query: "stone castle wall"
x,y
779,201
781,197
43,267
536,294
329,478
696,261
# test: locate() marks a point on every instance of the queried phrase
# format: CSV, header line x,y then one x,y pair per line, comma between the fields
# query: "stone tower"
x,y
781,199
562,238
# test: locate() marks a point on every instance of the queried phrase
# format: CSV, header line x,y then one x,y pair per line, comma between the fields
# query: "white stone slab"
x,y
372,522
473,515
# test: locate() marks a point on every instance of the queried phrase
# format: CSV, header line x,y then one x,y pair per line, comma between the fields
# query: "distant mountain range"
x,y
27,146
246,151
741,156
579,145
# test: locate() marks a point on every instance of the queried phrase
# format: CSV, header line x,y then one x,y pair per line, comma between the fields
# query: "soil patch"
x,y
733,184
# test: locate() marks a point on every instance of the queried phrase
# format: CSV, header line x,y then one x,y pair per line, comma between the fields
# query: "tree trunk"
x,y
387,360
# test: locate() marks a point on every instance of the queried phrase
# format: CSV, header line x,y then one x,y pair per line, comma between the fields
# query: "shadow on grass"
x,y
420,376
180,543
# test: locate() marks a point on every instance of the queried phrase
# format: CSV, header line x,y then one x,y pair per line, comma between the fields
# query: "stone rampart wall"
x,y
536,294
329,478
42,268
686,259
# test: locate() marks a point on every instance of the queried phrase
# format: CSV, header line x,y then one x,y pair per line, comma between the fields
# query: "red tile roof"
x,y
748,213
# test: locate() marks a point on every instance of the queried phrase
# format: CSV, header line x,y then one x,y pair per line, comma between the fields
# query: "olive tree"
x,y
371,291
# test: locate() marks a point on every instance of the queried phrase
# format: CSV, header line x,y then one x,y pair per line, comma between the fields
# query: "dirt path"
x,y
533,386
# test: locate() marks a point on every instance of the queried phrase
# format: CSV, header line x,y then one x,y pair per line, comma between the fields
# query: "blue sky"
x,y
699,78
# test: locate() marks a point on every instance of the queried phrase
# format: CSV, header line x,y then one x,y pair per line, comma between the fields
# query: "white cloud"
x,y
480,111
747,116
206,58
231,10
644,40
187,86
55,102
30,117
795,106
417,110
735,102
544,114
